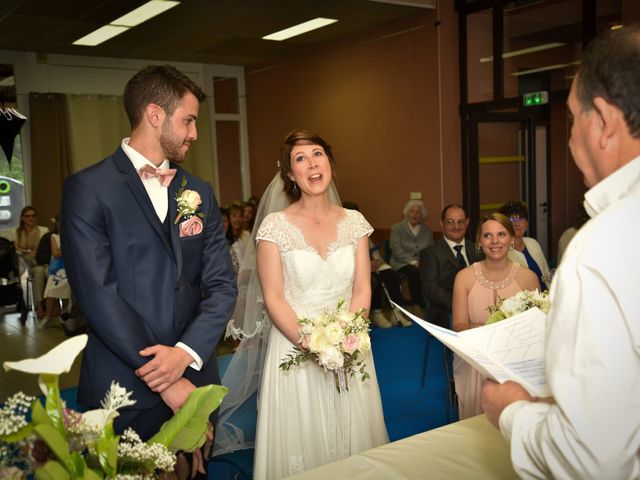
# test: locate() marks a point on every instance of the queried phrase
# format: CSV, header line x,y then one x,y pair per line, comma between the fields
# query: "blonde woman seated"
x,y
476,288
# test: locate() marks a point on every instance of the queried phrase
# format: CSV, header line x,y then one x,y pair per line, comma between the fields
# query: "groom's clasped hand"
x,y
165,368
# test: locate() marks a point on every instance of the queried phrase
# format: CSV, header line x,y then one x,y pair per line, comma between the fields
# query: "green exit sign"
x,y
535,98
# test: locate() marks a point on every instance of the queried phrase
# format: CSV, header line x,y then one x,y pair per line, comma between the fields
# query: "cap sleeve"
x,y
360,226
267,230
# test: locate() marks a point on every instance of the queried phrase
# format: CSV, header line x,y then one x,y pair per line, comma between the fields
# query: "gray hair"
x,y
412,203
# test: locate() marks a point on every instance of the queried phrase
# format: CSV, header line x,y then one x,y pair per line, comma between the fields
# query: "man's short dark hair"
x,y
452,205
163,85
610,68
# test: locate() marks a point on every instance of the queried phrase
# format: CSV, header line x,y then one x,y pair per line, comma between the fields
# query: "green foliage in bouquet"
x,y
84,446
520,302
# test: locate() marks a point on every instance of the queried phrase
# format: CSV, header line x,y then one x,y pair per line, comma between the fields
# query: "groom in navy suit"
x,y
147,258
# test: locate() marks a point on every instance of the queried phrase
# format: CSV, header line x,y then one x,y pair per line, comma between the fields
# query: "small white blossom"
x,y
14,412
116,398
134,449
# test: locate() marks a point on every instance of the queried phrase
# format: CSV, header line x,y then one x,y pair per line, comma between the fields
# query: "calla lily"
x,y
99,418
56,361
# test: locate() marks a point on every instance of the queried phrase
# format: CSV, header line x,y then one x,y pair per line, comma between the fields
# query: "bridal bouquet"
x,y
519,303
334,339
58,443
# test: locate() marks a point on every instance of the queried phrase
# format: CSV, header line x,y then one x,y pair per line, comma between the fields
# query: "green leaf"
x,y
107,448
78,465
21,434
52,470
186,430
92,475
56,442
53,403
39,415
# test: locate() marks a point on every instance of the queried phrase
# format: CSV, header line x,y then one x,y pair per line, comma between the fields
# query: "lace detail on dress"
x,y
508,280
277,229
296,464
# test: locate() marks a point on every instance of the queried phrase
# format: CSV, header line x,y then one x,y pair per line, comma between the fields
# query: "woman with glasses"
x,y
526,250
27,235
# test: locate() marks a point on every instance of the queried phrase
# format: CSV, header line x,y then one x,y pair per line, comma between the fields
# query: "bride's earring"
x,y
294,189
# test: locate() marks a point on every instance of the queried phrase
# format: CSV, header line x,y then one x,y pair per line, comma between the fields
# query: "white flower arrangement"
x,y
520,302
56,442
334,340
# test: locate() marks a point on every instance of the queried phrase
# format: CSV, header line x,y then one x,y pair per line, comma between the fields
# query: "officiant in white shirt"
x,y
590,427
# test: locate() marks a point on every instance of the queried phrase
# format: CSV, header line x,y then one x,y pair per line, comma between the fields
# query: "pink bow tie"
x,y
164,175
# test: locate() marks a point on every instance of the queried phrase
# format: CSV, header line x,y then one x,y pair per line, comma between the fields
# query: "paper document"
x,y
512,349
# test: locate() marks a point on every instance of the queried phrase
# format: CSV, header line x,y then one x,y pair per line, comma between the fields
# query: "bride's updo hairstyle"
x,y
496,217
298,137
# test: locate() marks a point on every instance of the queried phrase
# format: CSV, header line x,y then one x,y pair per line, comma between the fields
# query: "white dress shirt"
x,y
453,244
592,350
160,199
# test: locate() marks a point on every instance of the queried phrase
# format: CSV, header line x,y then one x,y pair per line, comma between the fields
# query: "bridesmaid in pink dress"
x,y
475,289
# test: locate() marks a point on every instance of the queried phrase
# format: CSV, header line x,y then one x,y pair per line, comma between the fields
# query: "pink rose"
x,y
350,343
191,226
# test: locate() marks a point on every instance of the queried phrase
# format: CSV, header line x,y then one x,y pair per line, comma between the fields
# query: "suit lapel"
x,y
444,246
174,228
135,184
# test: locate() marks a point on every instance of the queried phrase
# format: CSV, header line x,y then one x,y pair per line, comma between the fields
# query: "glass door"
x,y
508,162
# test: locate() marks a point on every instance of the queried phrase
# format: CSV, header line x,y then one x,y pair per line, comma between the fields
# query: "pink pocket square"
x,y
191,226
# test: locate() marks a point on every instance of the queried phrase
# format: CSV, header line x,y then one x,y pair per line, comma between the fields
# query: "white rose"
x,y
306,329
365,341
317,342
334,333
331,359
191,199
510,306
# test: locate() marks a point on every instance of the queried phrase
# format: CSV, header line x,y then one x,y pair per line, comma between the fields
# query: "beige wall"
x,y
376,100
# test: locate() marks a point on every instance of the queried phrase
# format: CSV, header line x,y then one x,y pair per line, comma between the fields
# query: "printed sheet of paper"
x,y
511,349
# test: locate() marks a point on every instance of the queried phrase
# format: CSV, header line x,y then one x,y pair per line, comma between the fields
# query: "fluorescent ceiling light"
x,y
122,24
100,35
144,12
525,51
300,29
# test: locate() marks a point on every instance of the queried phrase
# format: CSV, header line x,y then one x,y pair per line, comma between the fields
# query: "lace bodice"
x,y
311,282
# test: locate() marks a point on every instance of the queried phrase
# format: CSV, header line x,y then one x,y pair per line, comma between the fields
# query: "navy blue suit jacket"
x,y
137,285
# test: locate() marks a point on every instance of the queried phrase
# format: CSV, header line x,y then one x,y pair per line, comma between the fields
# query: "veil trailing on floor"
x,y
251,325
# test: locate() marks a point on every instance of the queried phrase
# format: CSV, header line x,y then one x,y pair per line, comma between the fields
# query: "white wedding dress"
x,y
303,421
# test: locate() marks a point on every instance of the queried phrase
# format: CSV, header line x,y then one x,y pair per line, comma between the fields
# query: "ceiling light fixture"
x,y
525,51
128,20
300,29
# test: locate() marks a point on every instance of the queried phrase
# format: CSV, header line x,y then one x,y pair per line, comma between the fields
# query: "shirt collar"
x,y
612,188
452,243
137,158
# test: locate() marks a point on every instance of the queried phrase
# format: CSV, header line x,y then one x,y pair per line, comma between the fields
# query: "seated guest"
x,y
237,235
383,279
226,227
407,239
526,250
27,235
248,215
57,288
476,288
441,262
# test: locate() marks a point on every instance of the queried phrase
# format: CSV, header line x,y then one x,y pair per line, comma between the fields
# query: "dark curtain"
x,y
50,152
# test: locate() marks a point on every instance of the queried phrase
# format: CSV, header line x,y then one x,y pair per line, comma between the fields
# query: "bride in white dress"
x,y
309,256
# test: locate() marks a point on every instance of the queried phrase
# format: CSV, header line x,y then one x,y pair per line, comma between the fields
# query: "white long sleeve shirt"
x,y
592,350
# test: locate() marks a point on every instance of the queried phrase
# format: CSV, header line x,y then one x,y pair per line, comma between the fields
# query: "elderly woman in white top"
x,y
526,250
407,239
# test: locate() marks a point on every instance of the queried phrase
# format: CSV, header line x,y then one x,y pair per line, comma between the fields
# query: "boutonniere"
x,y
188,203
